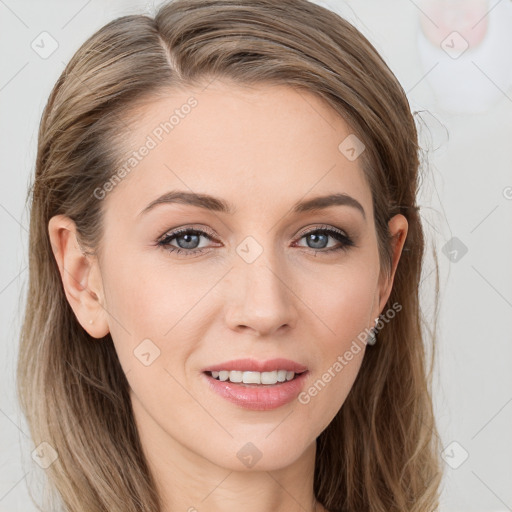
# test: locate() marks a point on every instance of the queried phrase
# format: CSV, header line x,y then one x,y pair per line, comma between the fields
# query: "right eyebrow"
x,y
191,198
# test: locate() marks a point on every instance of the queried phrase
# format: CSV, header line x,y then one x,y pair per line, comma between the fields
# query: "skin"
x,y
262,149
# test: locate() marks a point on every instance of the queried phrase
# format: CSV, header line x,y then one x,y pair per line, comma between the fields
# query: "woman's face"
x,y
248,283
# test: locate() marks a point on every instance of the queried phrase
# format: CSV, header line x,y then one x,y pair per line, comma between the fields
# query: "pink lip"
x,y
252,365
262,397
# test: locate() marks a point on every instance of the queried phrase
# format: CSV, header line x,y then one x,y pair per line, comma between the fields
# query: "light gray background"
x,y
467,194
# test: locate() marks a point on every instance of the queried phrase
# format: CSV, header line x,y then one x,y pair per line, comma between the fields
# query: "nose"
x,y
261,298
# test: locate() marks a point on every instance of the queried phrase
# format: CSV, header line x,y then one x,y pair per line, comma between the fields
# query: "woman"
x,y
225,262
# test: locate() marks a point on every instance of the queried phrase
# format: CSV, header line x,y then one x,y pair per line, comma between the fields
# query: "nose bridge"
x,y
262,299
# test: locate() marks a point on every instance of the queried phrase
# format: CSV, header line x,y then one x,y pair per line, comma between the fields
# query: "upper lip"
x,y
257,366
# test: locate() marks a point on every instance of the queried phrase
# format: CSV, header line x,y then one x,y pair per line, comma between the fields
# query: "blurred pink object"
x,y
467,17
464,48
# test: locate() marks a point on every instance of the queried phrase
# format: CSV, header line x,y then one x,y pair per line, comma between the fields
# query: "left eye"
x,y
318,236
188,240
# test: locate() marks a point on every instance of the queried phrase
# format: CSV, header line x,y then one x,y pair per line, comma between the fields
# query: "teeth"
x,y
253,377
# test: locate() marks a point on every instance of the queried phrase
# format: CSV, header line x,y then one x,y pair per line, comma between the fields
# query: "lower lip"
x,y
263,397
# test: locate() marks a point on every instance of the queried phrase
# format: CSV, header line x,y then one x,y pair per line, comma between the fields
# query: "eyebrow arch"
x,y
321,202
215,204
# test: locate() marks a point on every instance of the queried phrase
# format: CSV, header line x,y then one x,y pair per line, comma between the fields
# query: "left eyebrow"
x,y
322,202
216,204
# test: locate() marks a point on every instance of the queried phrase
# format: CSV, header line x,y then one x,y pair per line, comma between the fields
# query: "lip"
x,y
253,365
257,398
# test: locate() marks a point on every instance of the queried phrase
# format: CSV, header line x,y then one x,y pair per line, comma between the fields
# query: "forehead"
x,y
251,145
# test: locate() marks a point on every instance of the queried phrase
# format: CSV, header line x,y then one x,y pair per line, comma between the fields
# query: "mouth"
x,y
256,391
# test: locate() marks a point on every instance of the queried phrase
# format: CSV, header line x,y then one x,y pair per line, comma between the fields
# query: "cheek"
x,y
151,308
342,297
164,309
147,302
344,304
148,298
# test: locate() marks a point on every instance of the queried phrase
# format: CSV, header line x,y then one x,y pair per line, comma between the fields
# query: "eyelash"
x,y
164,242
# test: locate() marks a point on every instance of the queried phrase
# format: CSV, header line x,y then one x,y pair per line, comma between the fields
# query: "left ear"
x,y
398,227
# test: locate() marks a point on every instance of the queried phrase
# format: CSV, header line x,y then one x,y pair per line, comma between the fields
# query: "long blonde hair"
x,y
380,453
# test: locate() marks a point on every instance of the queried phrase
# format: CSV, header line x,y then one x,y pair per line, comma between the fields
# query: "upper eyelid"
x,y
184,229
322,227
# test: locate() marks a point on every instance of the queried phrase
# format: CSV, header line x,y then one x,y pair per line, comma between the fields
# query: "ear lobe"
x,y
80,276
